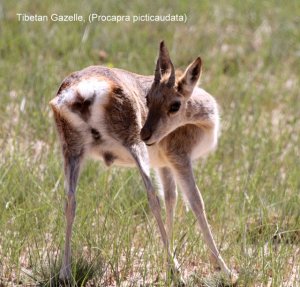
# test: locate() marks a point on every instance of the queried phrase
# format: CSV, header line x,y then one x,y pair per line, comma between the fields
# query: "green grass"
x,y
250,185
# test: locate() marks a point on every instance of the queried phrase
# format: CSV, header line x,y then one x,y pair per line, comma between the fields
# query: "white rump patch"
x,y
86,88
93,86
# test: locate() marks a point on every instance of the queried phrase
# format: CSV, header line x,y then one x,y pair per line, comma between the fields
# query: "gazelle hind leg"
x,y
140,155
170,197
72,167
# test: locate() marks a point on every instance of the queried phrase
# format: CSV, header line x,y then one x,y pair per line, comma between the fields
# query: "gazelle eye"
x,y
175,107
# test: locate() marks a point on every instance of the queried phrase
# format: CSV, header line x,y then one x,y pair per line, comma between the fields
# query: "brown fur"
x,y
71,139
82,106
121,117
109,158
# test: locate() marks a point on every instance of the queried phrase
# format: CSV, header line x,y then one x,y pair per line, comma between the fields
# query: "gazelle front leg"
x,y
140,155
72,167
185,177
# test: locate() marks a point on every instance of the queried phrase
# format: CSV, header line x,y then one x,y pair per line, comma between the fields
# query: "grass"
x,y
250,185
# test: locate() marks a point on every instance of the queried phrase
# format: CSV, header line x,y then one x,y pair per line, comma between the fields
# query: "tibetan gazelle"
x,y
128,119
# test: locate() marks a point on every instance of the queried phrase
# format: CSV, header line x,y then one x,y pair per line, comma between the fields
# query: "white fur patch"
x,y
86,88
64,96
207,144
67,95
89,87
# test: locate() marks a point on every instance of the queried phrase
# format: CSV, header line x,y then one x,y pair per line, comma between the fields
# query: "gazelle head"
x,y
167,98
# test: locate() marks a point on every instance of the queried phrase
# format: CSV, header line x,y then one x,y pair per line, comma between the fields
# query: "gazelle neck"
x,y
145,82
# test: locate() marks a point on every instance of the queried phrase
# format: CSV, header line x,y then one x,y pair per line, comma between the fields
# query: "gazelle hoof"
x,y
233,277
65,274
179,282
177,279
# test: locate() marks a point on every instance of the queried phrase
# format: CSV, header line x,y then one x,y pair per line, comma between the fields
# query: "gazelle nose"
x,y
146,134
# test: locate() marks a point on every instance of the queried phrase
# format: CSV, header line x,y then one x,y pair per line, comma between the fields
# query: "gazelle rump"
x,y
128,119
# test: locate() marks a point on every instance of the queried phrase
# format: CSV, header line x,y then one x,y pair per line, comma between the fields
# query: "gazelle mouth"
x,y
150,144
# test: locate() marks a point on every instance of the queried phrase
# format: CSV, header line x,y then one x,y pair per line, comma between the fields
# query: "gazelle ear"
x,y
189,79
164,70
